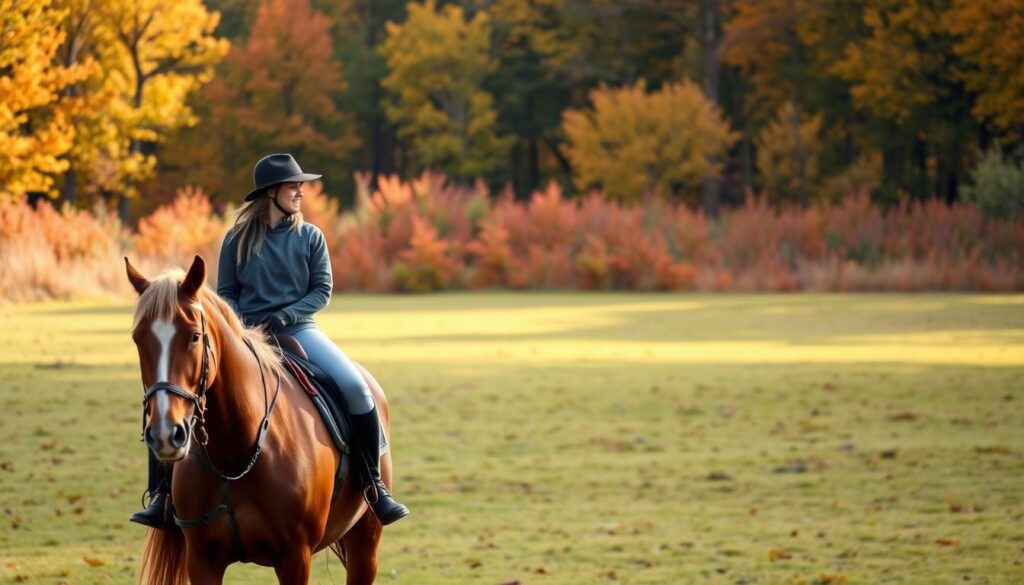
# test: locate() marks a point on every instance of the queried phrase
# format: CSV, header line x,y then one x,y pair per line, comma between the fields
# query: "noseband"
x,y
197,424
198,399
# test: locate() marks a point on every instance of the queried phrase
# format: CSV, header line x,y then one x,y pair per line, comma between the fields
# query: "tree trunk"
x,y
710,190
69,191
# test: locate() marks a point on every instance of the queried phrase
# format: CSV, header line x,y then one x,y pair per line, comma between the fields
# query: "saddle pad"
x,y
328,399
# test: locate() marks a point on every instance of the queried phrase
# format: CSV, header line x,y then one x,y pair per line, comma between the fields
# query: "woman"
x,y
275,271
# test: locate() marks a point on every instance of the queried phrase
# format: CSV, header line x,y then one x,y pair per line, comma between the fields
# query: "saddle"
x,y
320,388
327,398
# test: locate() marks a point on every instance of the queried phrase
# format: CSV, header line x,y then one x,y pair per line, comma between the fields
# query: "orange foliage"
x,y
428,235
177,231
46,253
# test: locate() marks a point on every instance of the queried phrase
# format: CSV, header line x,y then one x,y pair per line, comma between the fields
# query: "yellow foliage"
x,y
782,144
148,56
35,130
892,70
990,38
437,62
633,142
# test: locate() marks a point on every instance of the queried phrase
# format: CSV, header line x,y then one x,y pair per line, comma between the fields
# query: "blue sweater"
x,y
291,274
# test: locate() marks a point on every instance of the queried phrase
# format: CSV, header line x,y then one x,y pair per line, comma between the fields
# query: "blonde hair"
x,y
160,301
250,226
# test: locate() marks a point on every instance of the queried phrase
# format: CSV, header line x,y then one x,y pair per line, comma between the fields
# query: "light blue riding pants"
x,y
329,357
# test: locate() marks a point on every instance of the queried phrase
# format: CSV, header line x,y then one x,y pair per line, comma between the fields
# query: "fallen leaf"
x,y
993,450
797,466
962,509
94,562
948,542
905,416
778,554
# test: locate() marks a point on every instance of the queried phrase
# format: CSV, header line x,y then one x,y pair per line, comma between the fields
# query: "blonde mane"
x,y
160,301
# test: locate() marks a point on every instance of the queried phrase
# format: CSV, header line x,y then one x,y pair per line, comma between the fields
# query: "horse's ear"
x,y
138,281
195,278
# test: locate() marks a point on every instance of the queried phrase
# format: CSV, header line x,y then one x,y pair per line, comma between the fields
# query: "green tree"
x,y
633,142
537,44
437,62
998,185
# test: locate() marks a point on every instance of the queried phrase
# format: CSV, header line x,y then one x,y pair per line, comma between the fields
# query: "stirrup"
x,y
370,494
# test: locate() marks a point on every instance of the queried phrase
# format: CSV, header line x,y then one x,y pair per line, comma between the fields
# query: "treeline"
x,y
696,101
430,235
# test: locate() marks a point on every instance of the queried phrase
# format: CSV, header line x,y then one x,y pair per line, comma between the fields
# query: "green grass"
x,y
590,438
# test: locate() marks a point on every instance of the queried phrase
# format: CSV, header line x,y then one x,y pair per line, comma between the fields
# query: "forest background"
x,y
637,144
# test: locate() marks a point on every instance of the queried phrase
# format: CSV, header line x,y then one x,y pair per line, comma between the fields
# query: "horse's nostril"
x,y
150,440
179,437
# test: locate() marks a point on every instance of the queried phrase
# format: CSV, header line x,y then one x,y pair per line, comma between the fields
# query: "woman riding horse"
x,y
275,271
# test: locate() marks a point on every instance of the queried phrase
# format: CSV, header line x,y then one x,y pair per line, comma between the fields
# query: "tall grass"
x,y
428,234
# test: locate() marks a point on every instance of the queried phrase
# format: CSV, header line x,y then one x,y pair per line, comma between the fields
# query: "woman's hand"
x,y
274,322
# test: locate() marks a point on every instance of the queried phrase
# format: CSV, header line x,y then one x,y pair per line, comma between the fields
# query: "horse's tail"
x,y
163,561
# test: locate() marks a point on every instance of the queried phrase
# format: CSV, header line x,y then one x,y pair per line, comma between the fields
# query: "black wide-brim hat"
x,y
275,169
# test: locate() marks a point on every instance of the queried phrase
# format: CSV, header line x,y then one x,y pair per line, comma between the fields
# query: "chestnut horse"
x,y
254,464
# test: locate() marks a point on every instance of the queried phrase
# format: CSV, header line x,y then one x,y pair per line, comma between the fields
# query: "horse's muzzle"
x,y
168,442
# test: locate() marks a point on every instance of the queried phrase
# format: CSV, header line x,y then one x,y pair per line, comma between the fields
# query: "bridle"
x,y
198,399
197,424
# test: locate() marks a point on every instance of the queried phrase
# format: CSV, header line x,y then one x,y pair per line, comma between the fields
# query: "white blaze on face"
x,y
164,332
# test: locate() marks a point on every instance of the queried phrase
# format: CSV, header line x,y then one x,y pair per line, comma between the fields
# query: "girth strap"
x,y
207,518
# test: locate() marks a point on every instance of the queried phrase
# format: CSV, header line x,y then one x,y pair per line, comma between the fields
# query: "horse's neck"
x,y
235,402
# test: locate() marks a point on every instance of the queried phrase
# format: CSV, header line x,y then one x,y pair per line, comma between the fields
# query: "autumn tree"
x,y
277,93
437,62
776,154
902,75
632,142
35,115
167,50
988,38
763,40
149,56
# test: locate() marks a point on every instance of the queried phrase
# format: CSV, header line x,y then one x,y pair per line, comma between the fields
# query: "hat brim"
x,y
300,178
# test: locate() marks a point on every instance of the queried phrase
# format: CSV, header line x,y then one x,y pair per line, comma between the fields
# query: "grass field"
x,y
590,438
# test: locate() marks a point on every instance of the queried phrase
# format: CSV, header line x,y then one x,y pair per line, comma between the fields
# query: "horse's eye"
x,y
196,337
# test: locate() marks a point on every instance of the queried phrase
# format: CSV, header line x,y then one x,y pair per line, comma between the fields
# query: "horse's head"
x,y
170,332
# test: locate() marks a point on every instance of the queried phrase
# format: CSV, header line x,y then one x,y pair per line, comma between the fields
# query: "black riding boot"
x,y
155,515
366,444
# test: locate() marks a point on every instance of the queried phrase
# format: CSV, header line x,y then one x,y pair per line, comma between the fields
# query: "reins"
x,y
197,426
268,409
197,423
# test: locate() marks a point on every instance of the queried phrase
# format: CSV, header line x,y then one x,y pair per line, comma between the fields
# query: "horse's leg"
x,y
361,550
202,572
294,568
